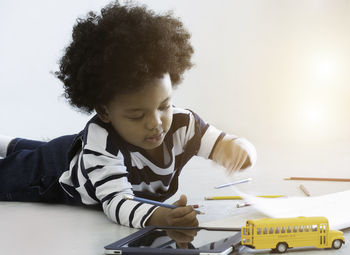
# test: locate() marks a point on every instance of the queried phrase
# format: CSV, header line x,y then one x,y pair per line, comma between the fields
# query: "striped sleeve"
x,y
208,133
210,136
108,175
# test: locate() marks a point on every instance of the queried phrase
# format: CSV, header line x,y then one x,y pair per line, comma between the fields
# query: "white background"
x,y
276,72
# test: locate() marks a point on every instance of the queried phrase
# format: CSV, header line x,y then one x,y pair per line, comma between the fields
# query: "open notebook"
x,y
334,206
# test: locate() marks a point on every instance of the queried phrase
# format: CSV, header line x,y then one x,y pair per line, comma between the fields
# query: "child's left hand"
x,y
234,153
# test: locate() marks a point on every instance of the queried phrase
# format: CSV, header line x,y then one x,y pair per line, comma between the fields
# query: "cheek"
x,y
167,120
129,131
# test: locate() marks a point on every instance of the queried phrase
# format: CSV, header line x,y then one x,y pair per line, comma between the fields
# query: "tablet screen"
x,y
185,239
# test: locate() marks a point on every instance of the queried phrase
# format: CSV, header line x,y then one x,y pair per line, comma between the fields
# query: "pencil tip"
x,y
287,178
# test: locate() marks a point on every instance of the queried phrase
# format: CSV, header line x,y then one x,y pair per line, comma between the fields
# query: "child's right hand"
x,y
184,216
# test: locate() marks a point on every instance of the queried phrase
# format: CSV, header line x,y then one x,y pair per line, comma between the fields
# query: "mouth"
x,y
155,138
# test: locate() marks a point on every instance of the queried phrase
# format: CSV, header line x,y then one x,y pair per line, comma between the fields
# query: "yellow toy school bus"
x,y
283,233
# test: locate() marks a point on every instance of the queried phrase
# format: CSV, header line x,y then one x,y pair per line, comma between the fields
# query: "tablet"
x,y
178,240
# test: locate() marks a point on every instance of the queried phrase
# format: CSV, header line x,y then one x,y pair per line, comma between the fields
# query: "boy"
x,y
123,64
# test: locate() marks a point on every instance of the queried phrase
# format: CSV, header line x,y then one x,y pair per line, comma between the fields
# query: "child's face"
x,y
143,117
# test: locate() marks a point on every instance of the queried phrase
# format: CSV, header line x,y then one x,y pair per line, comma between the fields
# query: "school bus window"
x,y
258,231
277,230
270,230
289,229
283,230
264,231
314,228
306,228
295,229
300,228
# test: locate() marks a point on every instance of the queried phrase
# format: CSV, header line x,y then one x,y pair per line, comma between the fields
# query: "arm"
x,y
230,151
112,183
108,175
234,153
100,176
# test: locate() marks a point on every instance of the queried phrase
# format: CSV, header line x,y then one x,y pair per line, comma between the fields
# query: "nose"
x,y
153,121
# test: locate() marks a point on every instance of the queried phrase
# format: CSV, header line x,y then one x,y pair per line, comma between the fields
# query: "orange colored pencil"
x,y
317,179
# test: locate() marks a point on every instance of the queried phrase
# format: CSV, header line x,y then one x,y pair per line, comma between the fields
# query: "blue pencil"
x,y
152,202
233,183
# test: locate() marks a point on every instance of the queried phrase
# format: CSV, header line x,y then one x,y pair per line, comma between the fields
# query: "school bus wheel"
x,y
337,243
281,247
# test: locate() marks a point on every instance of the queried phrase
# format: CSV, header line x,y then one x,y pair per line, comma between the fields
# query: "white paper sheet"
x,y
334,206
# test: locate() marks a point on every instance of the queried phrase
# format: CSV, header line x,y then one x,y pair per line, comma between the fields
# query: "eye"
x,y
136,117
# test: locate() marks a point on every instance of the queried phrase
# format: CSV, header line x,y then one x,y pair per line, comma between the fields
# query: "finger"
x,y
247,163
232,167
235,159
240,153
229,164
240,159
181,211
243,162
191,232
180,237
185,222
189,220
182,201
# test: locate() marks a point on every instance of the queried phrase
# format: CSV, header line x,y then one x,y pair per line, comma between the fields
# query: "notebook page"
x,y
334,206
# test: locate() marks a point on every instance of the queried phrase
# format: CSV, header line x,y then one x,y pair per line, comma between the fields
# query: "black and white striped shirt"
x,y
104,166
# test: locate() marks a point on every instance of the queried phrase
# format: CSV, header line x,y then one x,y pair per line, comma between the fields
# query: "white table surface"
x,y
31,228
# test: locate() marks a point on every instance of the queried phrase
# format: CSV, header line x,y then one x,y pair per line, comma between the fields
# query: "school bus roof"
x,y
298,220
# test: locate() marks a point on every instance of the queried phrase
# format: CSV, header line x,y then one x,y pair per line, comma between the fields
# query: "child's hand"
x,y
184,216
234,153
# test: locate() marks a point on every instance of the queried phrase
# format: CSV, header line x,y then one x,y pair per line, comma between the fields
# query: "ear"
x,y
102,113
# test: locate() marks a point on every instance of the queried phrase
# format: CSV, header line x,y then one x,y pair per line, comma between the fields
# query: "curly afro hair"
x,y
120,51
